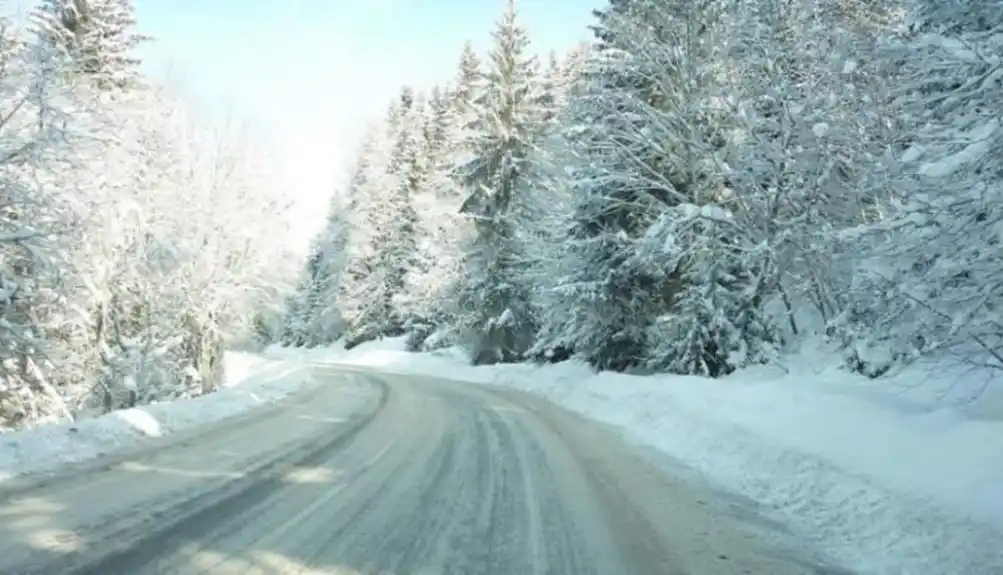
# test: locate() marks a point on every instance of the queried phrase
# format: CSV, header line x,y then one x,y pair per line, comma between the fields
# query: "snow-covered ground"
x,y
250,381
902,475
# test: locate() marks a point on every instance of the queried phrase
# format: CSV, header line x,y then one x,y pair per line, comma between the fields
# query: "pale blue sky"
x,y
310,72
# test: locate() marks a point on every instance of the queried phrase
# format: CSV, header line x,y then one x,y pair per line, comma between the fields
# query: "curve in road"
x,y
382,474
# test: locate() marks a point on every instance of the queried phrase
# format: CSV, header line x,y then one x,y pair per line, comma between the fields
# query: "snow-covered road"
x,y
368,473
896,476
251,382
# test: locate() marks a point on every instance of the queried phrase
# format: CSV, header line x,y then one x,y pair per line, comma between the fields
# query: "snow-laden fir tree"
x,y
98,36
722,275
545,213
618,190
934,281
599,307
468,89
441,228
295,316
717,322
368,171
560,78
646,132
360,260
416,251
313,312
398,247
438,118
550,97
804,102
326,321
496,318
379,261
34,220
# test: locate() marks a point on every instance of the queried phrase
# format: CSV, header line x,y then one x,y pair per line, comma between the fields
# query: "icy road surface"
x,y
379,474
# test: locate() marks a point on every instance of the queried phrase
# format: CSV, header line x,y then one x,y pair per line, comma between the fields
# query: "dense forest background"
x,y
697,190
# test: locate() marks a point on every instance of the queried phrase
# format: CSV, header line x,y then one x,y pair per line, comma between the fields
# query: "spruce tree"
x,y
934,280
603,303
380,259
450,124
325,320
640,130
468,89
497,317
97,36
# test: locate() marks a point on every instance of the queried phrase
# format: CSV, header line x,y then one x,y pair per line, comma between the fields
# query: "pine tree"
x,y
465,121
296,321
467,92
403,256
380,264
435,198
436,131
368,177
603,304
933,279
496,307
716,323
98,37
318,317
551,91
644,137
432,285
35,221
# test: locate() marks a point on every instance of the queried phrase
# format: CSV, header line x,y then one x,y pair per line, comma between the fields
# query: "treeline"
x,y
702,185
134,241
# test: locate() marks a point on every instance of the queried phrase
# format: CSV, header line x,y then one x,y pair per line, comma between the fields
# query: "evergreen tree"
x,y
436,131
643,129
551,91
497,316
321,309
933,278
603,305
296,324
467,92
98,37
35,221
387,252
435,198
443,230
368,177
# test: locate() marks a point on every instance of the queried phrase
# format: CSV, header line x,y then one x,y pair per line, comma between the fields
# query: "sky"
x,y
307,74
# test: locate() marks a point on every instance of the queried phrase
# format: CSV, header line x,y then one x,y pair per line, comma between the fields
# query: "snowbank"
x,y
250,381
890,476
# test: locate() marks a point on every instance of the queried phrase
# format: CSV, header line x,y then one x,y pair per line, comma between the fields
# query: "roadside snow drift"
x,y
902,475
250,381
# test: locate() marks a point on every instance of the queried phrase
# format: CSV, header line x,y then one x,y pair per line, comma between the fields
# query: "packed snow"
x,y
250,381
902,475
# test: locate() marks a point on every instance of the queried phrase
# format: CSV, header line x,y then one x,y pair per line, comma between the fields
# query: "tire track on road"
x,y
113,546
